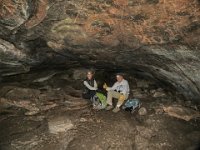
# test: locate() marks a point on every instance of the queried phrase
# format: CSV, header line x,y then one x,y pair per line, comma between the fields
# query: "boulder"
x,y
142,111
60,125
181,112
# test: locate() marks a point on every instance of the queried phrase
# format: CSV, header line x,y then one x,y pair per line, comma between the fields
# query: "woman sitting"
x,y
90,86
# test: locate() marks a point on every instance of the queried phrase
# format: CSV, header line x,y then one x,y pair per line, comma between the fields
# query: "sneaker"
x,y
116,109
109,107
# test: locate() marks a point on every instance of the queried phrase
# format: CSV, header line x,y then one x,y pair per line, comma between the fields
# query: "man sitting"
x,y
119,90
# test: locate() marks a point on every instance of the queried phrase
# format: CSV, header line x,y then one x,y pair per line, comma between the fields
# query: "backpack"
x,y
99,101
131,105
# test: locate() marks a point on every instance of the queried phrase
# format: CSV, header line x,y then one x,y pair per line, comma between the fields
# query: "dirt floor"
x,y
48,113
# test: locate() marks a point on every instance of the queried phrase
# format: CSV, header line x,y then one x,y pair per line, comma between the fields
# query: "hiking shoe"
x,y
116,109
109,107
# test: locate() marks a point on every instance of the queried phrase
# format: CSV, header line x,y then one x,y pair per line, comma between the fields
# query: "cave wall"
x,y
155,36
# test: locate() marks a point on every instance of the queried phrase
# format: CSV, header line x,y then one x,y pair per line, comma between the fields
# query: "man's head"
x,y
119,77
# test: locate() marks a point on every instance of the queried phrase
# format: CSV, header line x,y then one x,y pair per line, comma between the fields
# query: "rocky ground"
x,y
44,110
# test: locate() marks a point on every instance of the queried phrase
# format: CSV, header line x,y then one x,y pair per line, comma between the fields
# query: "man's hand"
x,y
122,97
105,86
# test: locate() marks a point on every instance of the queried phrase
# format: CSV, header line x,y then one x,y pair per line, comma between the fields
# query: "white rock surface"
x,y
59,125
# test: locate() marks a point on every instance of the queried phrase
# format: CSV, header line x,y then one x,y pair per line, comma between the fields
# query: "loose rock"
x,y
59,125
181,112
142,111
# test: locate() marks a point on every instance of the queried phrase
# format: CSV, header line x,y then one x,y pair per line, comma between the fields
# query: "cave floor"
x,y
50,114
97,130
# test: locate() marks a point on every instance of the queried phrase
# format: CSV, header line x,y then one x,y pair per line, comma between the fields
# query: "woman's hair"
x,y
91,71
